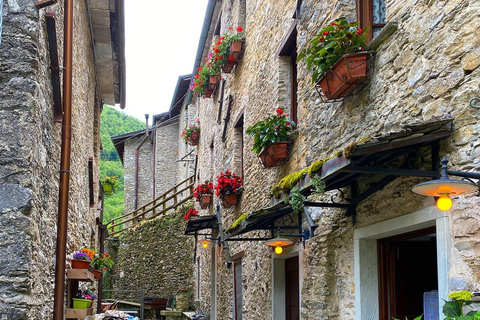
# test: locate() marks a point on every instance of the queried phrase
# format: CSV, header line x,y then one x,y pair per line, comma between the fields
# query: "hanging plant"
x,y
318,183
296,200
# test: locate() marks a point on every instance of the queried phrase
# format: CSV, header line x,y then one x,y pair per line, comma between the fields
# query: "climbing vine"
x,y
296,200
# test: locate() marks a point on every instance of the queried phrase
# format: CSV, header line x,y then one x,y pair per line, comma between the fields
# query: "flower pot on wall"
x,y
205,200
81,303
275,154
212,82
236,49
107,189
349,71
97,273
194,138
80,264
228,66
229,200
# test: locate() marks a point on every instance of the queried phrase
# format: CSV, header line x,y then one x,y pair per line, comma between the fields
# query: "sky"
x,y
161,40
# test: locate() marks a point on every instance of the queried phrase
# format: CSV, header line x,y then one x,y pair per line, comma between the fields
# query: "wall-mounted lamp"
x,y
445,187
205,242
278,243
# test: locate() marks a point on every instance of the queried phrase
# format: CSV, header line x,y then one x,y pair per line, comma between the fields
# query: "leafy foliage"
x,y
330,44
275,128
453,310
296,200
114,123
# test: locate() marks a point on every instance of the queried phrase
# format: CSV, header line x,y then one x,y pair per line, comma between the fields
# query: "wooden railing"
x,y
153,209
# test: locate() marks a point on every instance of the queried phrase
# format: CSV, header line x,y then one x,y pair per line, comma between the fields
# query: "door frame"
x,y
366,256
278,280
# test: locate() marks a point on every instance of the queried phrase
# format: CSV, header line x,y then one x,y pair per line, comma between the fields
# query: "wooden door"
x,y
292,289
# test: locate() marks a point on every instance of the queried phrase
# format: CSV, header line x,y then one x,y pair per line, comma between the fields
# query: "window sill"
x,y
383,35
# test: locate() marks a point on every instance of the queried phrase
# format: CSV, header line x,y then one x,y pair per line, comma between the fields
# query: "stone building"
x,y
368,248
31,53
414,110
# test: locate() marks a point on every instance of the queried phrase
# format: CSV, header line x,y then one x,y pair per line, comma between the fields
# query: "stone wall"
x,y
145,172
166,156
30,156
155,257
421,74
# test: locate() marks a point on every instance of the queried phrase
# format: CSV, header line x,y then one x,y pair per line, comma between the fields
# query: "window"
x,y
288,68
371,14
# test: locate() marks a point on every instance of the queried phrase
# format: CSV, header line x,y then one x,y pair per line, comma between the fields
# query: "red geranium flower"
x,y
231,58
359,31
239,29
325,33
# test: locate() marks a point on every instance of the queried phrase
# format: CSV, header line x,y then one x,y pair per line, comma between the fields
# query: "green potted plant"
x,y
191,133
336,58
270,138
109,184
101,263
84,299
203,193
229,188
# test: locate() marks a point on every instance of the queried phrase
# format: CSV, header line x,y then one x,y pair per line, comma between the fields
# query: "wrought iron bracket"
x,y
474,102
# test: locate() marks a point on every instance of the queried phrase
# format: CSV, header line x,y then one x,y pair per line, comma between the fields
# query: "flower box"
x,y
81,303
80,264
229,200
347,72
228,66
212,83
205,201
194,138
107,188
275,154
208,93
236,49
97,273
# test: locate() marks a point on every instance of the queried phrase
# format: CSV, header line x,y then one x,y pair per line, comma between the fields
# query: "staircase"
x,y
158,207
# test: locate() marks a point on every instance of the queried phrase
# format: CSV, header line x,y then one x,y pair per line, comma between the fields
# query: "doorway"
x,y
407,273
292,289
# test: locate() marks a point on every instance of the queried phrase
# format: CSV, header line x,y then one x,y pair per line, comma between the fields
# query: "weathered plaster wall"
x,y
29,157
145,172
421,74
155,257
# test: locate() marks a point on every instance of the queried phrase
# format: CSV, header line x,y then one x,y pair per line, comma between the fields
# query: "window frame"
x,y
365,17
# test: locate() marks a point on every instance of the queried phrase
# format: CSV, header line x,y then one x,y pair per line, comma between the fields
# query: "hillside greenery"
x,y
113,123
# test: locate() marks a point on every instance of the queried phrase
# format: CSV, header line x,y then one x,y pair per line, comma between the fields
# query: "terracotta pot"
x,y
212,82
208,93
349,71
80,264
107,188
236,49
275,154
228,66
229,200
205,200
97,273
194,139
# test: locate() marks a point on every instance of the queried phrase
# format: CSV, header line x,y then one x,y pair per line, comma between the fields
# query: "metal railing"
x,y
124,298
168,201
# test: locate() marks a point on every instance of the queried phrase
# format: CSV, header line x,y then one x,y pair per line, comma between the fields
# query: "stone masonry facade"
x,y
30,156
427,69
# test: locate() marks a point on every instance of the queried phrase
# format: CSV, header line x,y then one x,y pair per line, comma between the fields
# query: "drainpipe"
x,y
61,253
154,142
137,153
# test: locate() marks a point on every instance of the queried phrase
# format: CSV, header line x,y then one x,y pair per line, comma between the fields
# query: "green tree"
x,y
114,123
